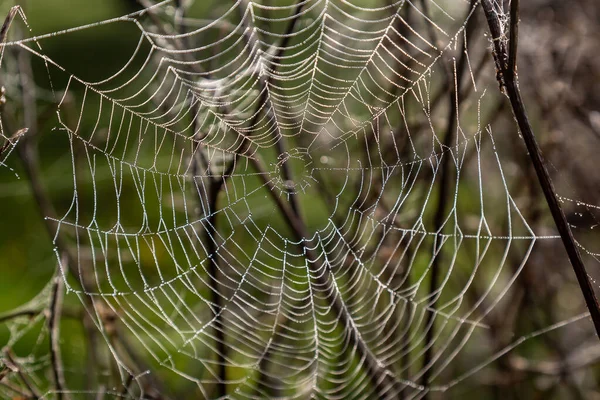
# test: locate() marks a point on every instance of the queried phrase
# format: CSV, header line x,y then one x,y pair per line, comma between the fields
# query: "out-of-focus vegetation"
x,y
560,74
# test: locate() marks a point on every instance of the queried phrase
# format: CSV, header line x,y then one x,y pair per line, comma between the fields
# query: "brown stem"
x,y
443,197
16,367
28,152
381,378
7,21
511,68
11,140
518,107
17,314
215,188
286,172
13,388
213,274
53,321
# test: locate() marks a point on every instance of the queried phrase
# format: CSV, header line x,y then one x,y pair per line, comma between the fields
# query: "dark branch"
x,y
55,310
7,21
16,367
518,107
511,69
381,378
454,100
215,187
17,314
11,140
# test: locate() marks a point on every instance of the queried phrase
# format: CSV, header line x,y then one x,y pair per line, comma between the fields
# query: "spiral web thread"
x,y
352,97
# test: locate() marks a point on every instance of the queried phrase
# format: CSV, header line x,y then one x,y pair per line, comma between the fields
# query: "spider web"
x,y
273,194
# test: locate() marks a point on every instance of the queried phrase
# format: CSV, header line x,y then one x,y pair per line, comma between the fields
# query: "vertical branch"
x,y
264,83
383,381
511,86
28,152
215,187
54,332
15,366
7,22
511,69
93,357
442,206
454,101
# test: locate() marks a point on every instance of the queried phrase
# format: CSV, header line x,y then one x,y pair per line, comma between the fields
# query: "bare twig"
x,y
14,366
55,310
213,274
3,33
13,388
28,151
11,140
213,192
511,69
264,86
381,378
7,21
125,391
514,94
17,314
454,100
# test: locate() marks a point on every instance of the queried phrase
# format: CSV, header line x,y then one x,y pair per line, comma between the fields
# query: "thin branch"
x,y
381,378
264,90
12,364
7,21
127,349
454,100
3,33
28,152
11,140
13,388
125,391
17,314
53,321
518,107
213,274
511,69
214,189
